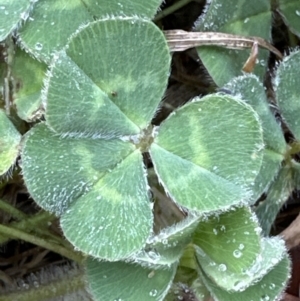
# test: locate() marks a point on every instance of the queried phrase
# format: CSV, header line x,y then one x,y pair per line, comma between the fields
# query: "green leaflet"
x,y
277,195
290,11
114,219
12,12
249,89
228,246
268,288
199,164
58,170
166,247
248,18
144,9
270,168
94,94
50,25
229,275
28,77
10,140
52,22
126,281
286,84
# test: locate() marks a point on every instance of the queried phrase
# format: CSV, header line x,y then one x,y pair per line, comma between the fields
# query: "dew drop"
x,y
153,255
153,293
272,286
38,46
237,253
222,267
274,260
164,241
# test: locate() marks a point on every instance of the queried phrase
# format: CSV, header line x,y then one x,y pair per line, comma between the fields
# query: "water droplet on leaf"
x,y
222,267
153,293
237,253
38,46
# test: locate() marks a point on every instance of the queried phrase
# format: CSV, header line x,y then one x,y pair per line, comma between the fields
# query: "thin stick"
x,y
180,40
16,233
11,210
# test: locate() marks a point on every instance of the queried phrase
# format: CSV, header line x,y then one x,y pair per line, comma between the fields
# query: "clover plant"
x,y
99,72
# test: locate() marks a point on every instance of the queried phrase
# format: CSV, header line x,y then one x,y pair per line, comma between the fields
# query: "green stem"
x,y
16,233
47,291
171,9
35,223
11,210
39,224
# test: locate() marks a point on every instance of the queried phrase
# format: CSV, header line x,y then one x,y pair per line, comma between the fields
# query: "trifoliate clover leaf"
x,y
87,156
98,186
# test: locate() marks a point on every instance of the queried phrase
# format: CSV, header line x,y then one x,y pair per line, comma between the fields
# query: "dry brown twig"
x,y
180,40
